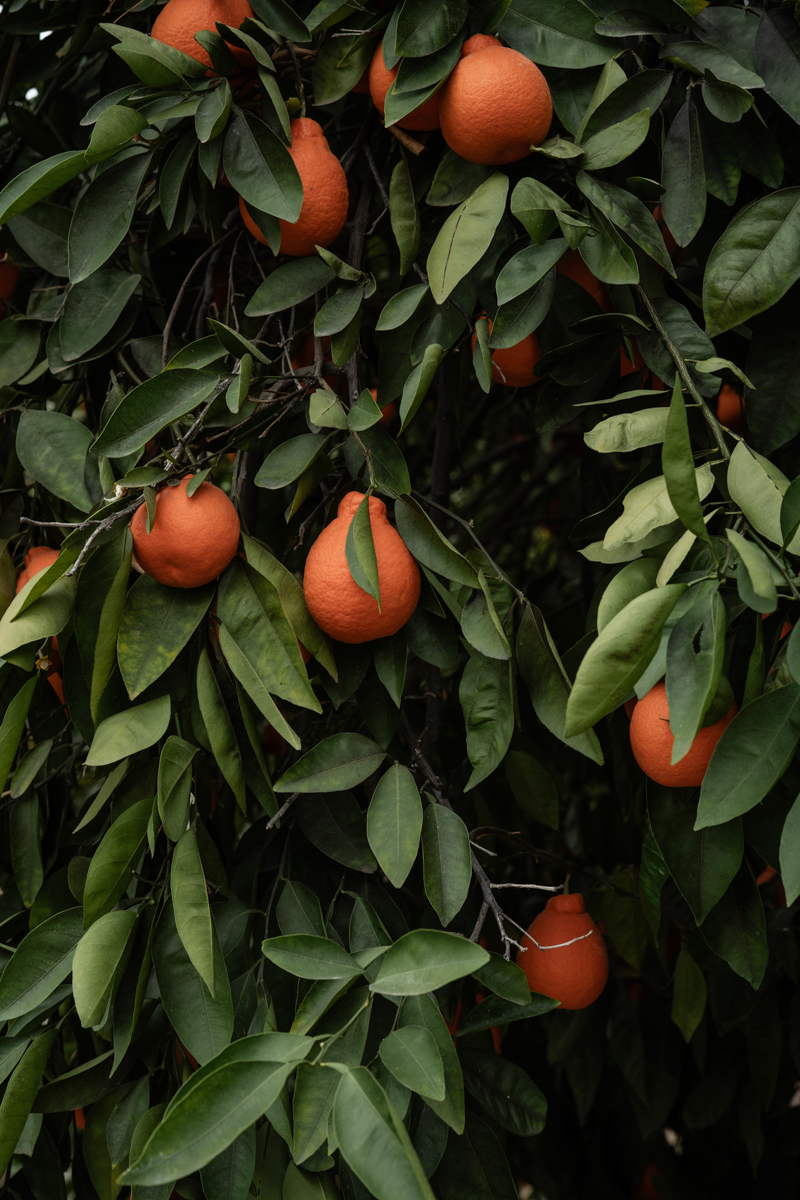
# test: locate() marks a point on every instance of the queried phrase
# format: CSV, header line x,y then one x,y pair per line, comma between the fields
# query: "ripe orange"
x,y
730,408
381,79
514,366
629,706
193,538
495,105
575,974
572,265
325,195
652,741
9,274
339,606
179,20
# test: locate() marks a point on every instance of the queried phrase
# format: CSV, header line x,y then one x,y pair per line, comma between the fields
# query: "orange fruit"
x,y
179,20
730,408
572,265
514,366
629,706
495,105
381,79
652,740
325,195
362,87
574,974
647,1188
9,274
339,606
193,538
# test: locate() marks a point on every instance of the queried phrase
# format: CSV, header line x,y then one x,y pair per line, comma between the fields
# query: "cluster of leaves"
x,y
233,883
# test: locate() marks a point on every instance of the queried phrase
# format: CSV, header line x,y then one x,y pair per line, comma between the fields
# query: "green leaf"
x,y
53,449
647,507
249,607
752,754
455,180
526,268
212,112
261,169
394,823
553,36
310,957
41,961
758,573
736,930
429,546
487,704
607,255
618,657
20,1093
150,407
229,1174
175,785
289,285
505,1091
91,310
104,212
41,619
628,214
406,225
219,729
401,307
465,236
683,176
335,825
755,261
548,683
677,463
280,16
99,963
704,862
695,654
39,181
129,731
202,1121
474,1165
790,854
422,29
777,59
204,1023
373,1141
289,460
190,905
689,995
114,861
416,386
29,768
424,960
360,552
19,347
26,847
446,861
156,624
333,765
506,979
412,1057
298,910
616,142
13,725
388,464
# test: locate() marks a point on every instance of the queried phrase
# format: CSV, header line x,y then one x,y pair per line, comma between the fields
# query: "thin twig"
x,y
8,74
683,371
281,811
182,292
539,887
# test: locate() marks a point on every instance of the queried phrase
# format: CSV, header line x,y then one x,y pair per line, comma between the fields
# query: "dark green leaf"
x,y
114,861
424,960
505,1091
335,764
466,235
736,930
405,220
156,624
129,731
53,449
261,169
629,215
289,285
423,29
678,465
99,963
446,861
777,59
190,906
412,1057
219,729
40,963
104,212
92,308
310,957
150,407
702,862
394,823
683,176
335,825
486,701
555,36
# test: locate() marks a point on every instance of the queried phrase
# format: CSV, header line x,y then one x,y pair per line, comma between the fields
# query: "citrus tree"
x,y
399,410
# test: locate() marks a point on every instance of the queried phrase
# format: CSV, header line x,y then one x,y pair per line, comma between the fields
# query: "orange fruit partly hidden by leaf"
x,y
180,20
730,408
381,79
38,558
193,538
647,1188
652,740
325,195
669,240
362,87
514,366
572,265
574,974
9,274
495,105
336,602
629,706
